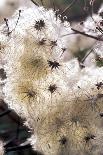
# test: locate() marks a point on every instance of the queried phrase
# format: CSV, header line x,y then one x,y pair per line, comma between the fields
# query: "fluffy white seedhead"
x,y
100,12
36,45
1,148
60,100
93,25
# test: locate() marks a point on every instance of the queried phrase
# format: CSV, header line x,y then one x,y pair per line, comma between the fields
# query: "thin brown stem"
x,y
6,112
87,55
85,34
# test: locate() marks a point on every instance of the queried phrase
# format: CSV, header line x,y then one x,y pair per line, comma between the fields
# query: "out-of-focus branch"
x,y
35,2
99,38
68,7
6,112
12,115
20,147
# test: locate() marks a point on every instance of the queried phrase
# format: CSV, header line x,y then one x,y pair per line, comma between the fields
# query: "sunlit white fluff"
x,y
91,24
29,77
1,148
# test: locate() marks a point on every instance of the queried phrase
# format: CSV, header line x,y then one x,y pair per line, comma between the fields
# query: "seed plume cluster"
x,y
57,92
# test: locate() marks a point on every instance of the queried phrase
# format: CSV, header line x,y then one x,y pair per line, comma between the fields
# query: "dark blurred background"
x,y
79,8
